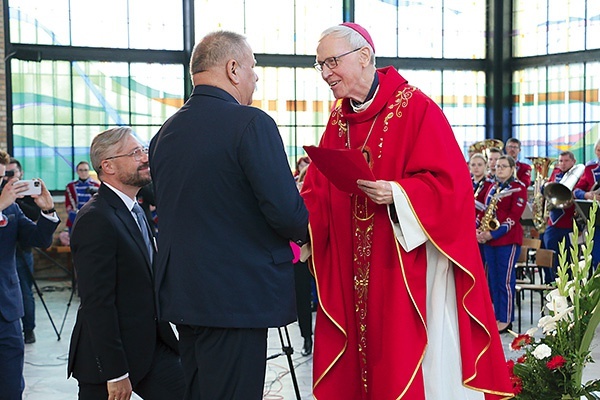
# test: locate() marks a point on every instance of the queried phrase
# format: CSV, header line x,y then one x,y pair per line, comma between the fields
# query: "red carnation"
x,y
522,359
520,341
556,362
511,365
517,384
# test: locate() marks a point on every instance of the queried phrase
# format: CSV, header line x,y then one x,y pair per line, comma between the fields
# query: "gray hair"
x,y
354,38
106,144
217,48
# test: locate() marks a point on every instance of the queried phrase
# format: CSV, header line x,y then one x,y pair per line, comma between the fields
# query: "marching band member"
x,y
513,148
501,234
477,166
560,220
586,188
493,154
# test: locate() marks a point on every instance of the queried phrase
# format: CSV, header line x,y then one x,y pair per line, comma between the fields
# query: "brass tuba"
x,y
483,145
541,165
560,194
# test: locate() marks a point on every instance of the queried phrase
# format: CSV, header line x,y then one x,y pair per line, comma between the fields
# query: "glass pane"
x,y
529,88
156,92
99,23
464,29
565,93
420,26
563,137
312,18
566,25
464,97
593,24
45,151
100,93
156,24
39,22
41,92
210,15
592,109
530,19
380,18
276,36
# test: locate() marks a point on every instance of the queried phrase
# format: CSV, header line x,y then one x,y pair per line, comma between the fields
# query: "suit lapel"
x,y
128,221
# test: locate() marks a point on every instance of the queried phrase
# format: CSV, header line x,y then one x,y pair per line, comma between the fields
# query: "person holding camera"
x,y
79,192
24,255
16,228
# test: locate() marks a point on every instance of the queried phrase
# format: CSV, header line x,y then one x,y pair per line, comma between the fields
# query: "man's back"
x,y
227,207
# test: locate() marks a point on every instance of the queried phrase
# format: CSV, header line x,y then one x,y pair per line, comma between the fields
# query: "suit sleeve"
x,y
94,246
35,234
264,162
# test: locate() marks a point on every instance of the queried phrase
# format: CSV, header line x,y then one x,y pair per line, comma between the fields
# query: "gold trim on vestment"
x,y
469,379
322,307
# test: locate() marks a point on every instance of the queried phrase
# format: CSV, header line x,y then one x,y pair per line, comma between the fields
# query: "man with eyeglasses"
x,y
405,311
17,229
227,209
79,191
118,346
513,149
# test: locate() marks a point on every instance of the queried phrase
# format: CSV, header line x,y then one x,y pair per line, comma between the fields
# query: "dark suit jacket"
x,y
228,206
23,231
116,329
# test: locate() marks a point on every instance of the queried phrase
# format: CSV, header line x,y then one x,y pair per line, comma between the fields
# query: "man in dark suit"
x,y
228,207
117,344
16,228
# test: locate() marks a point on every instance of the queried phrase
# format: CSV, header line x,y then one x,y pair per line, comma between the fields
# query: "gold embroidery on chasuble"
x,y
363,219
363,223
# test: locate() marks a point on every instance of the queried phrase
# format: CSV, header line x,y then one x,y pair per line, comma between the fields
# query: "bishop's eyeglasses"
x,y
332,62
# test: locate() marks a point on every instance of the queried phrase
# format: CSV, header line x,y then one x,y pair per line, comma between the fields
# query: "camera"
x,y
9,174
34,187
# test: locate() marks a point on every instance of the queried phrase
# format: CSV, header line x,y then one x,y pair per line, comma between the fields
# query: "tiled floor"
x,y
46,360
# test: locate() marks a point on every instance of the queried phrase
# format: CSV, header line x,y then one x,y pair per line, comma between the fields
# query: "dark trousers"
x,y
25,272
163,381
552,237
302,281
223,363
11,360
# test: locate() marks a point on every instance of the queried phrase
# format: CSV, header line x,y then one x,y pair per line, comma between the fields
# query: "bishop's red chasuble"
x,y
371,329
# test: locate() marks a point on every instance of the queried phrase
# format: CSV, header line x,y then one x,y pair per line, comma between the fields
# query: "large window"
x,y
59,104
556,108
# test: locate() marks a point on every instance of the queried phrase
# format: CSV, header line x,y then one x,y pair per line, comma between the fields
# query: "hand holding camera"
x,y
15,188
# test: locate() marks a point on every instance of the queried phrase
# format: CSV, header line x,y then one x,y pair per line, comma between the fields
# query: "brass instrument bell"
x,y
558,195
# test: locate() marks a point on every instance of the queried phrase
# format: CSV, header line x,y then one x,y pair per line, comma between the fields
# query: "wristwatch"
x,y
50,211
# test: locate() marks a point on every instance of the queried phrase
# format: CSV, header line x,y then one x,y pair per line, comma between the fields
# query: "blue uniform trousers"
x,y
11,360
500,267
552,237
25,272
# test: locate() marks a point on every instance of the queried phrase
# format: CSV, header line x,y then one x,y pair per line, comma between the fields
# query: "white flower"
x,y
547,323
542,351
531,331
557,303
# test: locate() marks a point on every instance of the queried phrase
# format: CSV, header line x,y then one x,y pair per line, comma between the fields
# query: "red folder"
x,y
343,167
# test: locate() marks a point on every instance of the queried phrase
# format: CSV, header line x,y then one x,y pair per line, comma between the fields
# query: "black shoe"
x,y
29,337
508,327
307,348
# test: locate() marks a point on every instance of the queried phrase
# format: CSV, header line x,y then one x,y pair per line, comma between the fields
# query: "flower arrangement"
x,y
551,367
